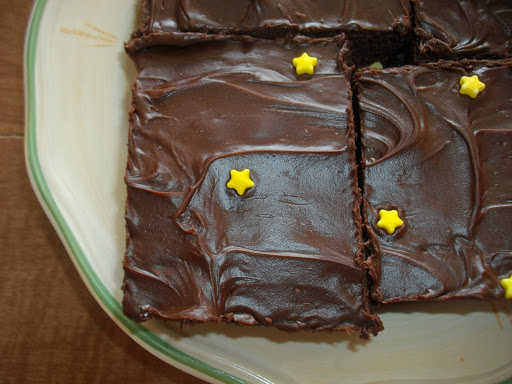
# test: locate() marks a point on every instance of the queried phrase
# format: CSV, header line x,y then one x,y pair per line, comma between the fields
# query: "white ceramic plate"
x,y
77,95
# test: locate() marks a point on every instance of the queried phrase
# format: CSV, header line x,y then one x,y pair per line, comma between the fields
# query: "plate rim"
x,y
144,337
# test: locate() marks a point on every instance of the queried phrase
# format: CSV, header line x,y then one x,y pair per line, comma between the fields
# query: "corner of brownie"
x,y
454,30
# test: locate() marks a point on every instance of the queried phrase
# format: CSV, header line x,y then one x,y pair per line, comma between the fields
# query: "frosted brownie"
x,y
442,161
243,202
378,30
458,29
257,16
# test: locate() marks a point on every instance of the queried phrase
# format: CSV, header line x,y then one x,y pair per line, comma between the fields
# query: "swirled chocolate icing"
x,y
444,161
377,30
248,16
473,29
289,251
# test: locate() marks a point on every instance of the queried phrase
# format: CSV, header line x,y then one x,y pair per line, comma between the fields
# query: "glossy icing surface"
x,y
475,29
289,251
444,161
261,15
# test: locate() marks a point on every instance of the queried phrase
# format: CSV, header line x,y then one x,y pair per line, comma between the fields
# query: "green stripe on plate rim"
x,y
45,195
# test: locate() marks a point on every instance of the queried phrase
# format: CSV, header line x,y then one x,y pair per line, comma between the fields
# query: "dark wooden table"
x,y
51,328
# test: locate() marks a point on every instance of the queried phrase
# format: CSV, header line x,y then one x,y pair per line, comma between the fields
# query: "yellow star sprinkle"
x,y
389,220
471,86
240,181
507,285
305,64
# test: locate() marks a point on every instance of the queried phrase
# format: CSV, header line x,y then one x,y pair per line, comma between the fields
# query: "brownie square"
x,y
288,252
443,161
248,16
472,29
378,30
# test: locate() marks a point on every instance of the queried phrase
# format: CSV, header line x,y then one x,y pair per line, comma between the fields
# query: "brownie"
x,y
249,16
443,161
377,30
458,29
287,252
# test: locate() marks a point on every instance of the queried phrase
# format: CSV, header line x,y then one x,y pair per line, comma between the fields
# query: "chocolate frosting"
x,y
444,161
261,16
457,29
289,251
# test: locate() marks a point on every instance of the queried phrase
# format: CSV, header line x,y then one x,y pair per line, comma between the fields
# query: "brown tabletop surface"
x,y
52,330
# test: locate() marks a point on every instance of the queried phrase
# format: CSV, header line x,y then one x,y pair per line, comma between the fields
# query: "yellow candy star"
x,y
507,285
389,220
471,86
240,181
305,64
